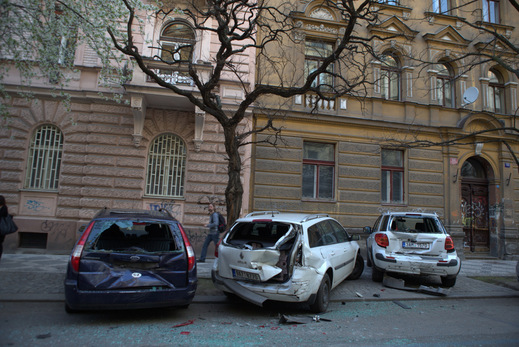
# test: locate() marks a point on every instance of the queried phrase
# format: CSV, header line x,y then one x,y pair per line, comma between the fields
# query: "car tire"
x,y
69,310
323,296
376,274
358,269
448,281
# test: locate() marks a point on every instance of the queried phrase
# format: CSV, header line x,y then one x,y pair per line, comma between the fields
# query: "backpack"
x,y
221,223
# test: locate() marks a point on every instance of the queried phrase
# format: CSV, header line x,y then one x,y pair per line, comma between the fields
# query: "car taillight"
x,y
189,250
449,244
78,250
216,248
382,240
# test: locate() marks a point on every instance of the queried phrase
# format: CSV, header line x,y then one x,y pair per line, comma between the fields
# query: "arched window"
x,y
496,91
44,160
390,77
472,168
177,40
166,167
445,85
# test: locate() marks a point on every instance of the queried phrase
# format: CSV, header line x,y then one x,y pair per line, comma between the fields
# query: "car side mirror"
x,y
367,230
355,237
81,229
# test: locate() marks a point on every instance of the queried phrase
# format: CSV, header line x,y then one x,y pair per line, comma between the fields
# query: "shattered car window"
x,y
416,225
133,236
266,233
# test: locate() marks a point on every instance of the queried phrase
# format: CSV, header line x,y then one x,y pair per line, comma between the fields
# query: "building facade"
x,y
411,142
152,149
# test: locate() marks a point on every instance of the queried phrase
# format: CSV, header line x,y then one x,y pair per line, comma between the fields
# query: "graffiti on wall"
x,y
57,231
474,214
171,206
35,205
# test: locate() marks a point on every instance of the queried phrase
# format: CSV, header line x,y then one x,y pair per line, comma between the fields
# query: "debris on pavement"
x,y
286,319
401,304
189,322
398,283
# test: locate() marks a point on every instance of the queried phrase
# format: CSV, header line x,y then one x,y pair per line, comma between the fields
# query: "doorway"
x,y
474,205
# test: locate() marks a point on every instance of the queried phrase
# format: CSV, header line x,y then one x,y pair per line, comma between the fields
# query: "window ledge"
x,y
333,201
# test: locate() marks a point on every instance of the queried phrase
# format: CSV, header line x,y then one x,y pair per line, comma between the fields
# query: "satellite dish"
x,y
470,95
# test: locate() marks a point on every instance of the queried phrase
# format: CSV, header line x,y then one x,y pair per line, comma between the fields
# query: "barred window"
x,y
166,167
44,161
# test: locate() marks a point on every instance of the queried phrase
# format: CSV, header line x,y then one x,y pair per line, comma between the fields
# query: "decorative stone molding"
x,y
199,128
138,105
321,13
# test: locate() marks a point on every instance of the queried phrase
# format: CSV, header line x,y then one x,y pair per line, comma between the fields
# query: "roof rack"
x,y
259,213
314,216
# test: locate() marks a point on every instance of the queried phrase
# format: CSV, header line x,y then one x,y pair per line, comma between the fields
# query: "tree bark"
x,y
234,190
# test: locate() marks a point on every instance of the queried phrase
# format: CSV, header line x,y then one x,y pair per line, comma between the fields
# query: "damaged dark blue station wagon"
x,y
128,259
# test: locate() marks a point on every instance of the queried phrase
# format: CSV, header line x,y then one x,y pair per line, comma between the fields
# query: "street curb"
x,y
222,299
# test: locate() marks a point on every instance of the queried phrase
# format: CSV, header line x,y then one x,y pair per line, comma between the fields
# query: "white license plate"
x,y
419,245
245,275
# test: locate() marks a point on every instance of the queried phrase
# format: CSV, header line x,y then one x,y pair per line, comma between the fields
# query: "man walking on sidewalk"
x,y
213,235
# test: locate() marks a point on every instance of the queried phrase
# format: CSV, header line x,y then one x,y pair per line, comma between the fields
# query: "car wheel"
x,y
68,309
323,296
376,274
448,281
358,269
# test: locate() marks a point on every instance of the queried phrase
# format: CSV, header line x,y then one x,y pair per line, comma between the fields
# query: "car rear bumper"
x,y
127,299
418,264
257,293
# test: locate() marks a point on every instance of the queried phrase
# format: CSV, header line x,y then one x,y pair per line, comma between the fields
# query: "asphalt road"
x,y
463,322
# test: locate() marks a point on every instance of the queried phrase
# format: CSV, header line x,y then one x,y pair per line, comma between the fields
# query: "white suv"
x,y
411,243
287,257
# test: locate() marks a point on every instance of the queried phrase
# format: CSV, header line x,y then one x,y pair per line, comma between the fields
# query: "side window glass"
x,y
340,233
314,236
383,226
328,234
377,222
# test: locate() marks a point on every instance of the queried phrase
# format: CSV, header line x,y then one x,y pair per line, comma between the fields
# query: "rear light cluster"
x,y
449,244
216,248
382,240
189,250
78,250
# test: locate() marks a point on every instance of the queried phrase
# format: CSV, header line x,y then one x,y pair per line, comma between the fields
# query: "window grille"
x,y
44,161
166,167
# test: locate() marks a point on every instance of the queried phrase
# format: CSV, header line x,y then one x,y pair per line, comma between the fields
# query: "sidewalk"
x,y
39,277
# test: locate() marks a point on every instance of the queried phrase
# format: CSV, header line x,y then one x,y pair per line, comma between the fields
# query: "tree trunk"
x,y
234,190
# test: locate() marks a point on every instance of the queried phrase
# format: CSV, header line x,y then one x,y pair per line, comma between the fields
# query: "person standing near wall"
x,y
213,235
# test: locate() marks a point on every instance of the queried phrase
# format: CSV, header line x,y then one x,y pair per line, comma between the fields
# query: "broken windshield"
x,y
134,236
265,233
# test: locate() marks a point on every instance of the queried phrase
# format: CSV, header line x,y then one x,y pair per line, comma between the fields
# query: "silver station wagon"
x,y
288,257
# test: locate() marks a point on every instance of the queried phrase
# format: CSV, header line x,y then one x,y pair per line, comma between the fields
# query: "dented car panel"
x,y
274,258
412,243
131,259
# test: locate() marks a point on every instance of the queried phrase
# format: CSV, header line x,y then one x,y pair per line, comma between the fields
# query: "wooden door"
x,y
474,210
